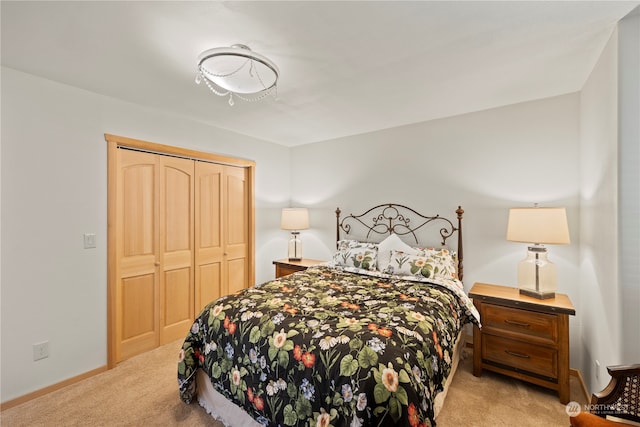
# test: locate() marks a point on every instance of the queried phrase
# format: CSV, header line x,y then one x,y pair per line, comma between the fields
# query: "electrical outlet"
x,y
597,369
41,350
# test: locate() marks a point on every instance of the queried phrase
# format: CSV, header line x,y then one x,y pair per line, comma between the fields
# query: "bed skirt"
x,y
231,415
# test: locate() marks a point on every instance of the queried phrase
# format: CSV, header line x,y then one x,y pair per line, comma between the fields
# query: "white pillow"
x,y
392,243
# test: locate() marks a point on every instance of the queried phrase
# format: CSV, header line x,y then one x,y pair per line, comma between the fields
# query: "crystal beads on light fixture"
x,y
237,71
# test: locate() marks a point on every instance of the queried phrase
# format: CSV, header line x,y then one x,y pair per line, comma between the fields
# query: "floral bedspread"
x,y
327,347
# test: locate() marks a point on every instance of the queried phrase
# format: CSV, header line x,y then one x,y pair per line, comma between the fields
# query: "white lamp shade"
x,y
538,225
294,219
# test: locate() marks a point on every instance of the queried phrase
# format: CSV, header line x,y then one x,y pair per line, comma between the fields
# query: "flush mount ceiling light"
x,y
237,71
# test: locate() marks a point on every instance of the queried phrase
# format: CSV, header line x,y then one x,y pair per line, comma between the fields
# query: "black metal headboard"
x,y
391,218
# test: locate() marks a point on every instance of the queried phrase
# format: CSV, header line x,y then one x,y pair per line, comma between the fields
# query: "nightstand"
x,y
285,267
522,337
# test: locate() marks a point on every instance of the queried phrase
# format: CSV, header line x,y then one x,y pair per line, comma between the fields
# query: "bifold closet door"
x,y
154,290
236,229
181,230
137,297
209,244
222,231
176,247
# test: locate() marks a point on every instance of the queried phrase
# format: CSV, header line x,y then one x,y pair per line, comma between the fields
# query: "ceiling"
x,y
346,67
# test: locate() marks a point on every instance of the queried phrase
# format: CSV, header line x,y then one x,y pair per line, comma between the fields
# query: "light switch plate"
x,y
89,240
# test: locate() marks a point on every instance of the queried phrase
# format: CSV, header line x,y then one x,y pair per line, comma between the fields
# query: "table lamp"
x,y
537,275
295,219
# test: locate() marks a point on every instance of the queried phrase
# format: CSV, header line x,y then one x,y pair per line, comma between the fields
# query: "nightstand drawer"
x,y
284,267
285,270
520,322
520,355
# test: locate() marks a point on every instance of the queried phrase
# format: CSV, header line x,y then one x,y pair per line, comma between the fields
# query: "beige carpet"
x,y
143,391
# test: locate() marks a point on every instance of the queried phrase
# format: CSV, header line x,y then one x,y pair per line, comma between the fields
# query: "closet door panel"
x,y
237,279
236,218
208,200
176,258
138,307
178,187
136,291
209,252
138,206
139,329
210,276
236,228
177,301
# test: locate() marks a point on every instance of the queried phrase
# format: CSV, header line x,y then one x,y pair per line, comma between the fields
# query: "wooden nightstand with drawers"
x,y
285,267
522,337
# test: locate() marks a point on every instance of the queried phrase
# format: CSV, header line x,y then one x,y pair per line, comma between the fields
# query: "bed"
x,y
372,337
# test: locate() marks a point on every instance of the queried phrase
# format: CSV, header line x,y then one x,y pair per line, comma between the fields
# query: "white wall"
x,y
599,289
610,200
629,182
487,162
54,189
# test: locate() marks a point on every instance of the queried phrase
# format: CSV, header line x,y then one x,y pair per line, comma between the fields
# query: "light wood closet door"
x,y
136,291
155,297
181,233
222,231
209,244
236,229
176,247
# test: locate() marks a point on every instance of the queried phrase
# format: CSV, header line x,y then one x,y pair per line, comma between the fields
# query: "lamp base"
x,y
536,274
295,247
537,294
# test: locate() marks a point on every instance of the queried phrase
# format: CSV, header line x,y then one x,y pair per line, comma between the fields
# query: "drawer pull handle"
x,y
513,353
514,323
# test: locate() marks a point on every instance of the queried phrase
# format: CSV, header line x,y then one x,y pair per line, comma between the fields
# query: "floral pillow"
x,y
364,257
444,255
429,263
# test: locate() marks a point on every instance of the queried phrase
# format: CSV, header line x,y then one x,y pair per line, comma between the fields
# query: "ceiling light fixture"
x,y
237,71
